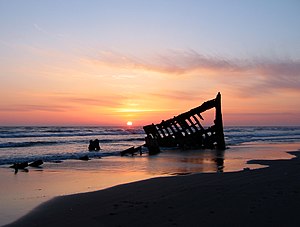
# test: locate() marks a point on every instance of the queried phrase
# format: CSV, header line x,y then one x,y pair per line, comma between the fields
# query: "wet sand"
x,y
264,197
21,192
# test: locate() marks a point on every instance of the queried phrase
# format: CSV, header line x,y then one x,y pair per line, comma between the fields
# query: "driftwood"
x,y
132,151
186,131
36,163
84,158
21,165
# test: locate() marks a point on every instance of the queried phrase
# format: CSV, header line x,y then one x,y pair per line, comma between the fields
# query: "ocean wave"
x,y
71,139
65,132
51,143
56,157
120,140
27,144
238,135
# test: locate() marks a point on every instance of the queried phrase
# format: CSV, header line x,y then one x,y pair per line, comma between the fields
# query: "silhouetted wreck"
x,y
186,131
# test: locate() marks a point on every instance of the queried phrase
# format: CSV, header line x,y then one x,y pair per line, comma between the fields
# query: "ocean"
x,y
52,144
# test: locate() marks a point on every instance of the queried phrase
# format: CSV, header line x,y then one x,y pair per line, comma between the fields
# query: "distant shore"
x,y
260,197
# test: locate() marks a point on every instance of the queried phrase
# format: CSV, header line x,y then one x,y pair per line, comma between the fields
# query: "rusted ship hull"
x,y
186,130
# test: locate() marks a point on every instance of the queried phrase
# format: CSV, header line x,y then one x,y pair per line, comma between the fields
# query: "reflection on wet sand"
x,y
185,162
220,160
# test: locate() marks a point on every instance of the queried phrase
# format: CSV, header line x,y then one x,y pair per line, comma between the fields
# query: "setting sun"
x,y
129,123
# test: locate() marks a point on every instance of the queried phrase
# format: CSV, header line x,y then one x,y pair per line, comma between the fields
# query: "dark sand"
x,y
261,197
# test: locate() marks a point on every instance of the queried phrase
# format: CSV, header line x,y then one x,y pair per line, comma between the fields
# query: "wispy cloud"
x,y
64,102
29,108
108,101
261,74
179,95
284,73
174,62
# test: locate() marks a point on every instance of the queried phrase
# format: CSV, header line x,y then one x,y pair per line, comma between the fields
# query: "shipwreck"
x,y
186,131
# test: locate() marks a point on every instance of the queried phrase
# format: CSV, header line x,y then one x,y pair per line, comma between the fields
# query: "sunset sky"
x,y
107,62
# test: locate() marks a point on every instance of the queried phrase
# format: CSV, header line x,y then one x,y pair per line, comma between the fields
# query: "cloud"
x,y
243,75
63,102
281,74
179,95
108,101
174,62
29,108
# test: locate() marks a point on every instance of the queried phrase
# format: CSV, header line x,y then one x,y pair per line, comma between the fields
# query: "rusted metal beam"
x,y
184,132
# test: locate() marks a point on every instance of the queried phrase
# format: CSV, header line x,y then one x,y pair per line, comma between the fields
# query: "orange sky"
x,y
117,62
112,89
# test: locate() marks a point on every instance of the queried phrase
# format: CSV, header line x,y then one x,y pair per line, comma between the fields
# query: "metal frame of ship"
x,y
186,131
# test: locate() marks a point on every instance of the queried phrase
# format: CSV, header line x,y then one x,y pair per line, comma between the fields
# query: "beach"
x,y
261,197
264,193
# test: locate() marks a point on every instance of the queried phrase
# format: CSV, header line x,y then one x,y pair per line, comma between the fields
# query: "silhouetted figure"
x,y
94,145
91,145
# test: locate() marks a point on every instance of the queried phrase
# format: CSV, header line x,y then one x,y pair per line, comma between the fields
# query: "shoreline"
x,y
266,196
22,192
